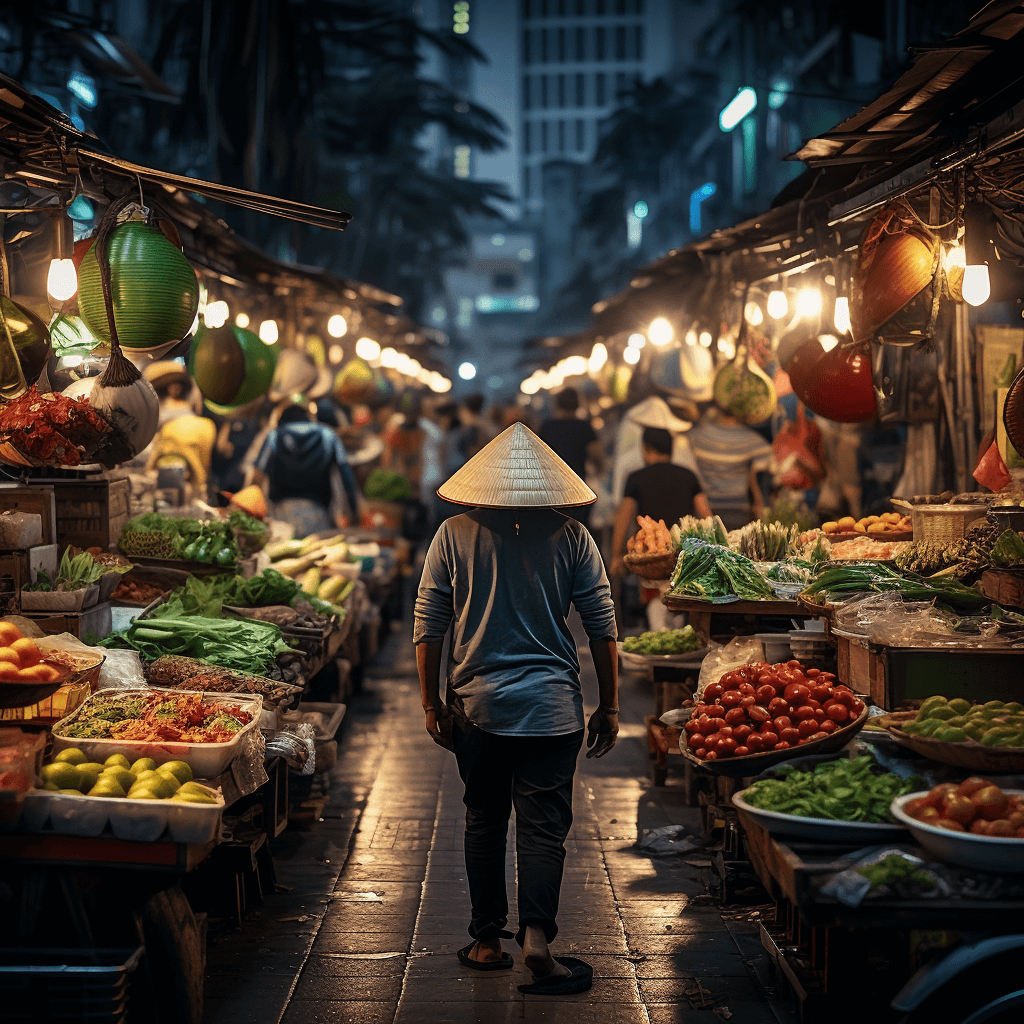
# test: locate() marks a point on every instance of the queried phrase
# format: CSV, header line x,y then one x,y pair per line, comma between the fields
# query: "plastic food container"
x,y
78,815
207,760
987,853
142,821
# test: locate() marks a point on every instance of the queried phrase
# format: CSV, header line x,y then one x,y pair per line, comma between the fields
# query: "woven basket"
x,y
940,524
655,566
965,754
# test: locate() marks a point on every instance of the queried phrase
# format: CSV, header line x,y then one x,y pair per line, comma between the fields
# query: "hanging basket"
x,y
154,291
895,295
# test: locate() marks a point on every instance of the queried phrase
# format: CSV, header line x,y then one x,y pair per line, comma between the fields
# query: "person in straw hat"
x,y
502,577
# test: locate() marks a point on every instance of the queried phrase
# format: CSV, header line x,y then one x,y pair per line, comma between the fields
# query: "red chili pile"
x,y
763,707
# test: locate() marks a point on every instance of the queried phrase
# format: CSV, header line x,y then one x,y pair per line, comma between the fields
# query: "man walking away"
x,y
503,576
574,441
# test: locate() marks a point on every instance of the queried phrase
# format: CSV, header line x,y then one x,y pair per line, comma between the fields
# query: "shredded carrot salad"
x,y
154,716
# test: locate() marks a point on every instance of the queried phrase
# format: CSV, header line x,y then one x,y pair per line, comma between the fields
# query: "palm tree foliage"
x,y
326,101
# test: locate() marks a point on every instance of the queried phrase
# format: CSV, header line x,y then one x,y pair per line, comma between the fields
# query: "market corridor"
x,y
378,902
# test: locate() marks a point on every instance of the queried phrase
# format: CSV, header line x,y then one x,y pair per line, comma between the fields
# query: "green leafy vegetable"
x,y
843,790
709,570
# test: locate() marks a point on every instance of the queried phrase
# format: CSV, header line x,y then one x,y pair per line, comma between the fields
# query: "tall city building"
x,y
575,58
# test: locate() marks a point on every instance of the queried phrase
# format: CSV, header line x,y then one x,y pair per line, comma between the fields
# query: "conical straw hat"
x,y
516,470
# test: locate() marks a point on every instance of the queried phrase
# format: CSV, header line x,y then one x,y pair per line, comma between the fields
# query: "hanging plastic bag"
x,y
740,651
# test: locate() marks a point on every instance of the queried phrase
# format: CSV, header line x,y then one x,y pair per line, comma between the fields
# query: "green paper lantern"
x,y
154,289
231,366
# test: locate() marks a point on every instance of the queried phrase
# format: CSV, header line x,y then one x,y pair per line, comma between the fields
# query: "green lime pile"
x,y
663,641
994,724
72,775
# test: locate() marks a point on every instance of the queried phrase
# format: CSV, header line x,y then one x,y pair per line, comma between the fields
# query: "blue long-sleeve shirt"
x,y
508,588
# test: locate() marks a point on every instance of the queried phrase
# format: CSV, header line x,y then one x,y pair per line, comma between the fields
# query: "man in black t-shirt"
x,y
573,440
661,490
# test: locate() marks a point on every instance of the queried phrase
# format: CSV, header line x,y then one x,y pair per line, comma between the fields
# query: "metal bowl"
x,y
987,853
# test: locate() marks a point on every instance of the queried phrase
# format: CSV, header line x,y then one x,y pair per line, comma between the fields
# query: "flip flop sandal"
x,y
579,980
483,965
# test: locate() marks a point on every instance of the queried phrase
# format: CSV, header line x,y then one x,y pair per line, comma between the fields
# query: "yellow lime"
x,y
123,775
51,787
179,769
118,759
70,792
72,755
140,791
144,764
90,772
194,796
107,785
62,775
165,785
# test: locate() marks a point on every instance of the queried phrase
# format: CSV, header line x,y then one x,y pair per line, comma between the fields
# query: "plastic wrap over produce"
x,y
247,768
297,745
740,651
122,670
890,620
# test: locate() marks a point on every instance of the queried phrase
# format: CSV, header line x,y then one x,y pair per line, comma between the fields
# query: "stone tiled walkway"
x,y
381,919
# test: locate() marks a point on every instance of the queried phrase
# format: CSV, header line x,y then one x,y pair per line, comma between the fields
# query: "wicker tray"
x,y
754,764
651,567
965,754
940,524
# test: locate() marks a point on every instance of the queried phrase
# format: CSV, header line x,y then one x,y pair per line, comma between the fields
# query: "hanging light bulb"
x,y
268,332
828,342
752,313
691,337
660,332
242,320
976,287
631,355
705,339
841,317
808,302
62,278
636,340
216,314
598,357
367,348
778,305
337,326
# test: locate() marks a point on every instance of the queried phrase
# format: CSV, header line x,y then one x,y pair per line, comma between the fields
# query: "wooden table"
x,y
701,612
822,947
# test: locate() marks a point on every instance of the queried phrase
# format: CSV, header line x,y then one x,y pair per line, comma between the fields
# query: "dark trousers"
x,y
534,775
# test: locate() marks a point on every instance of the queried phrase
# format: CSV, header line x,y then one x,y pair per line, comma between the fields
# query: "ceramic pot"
x,y
835,384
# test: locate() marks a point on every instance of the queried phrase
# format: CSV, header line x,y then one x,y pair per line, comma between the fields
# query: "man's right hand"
x,y
602,731
439,726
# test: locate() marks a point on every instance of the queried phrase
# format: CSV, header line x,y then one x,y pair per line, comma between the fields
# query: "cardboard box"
x,y
91,622
36,499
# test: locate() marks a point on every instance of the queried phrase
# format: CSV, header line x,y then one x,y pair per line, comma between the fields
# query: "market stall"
x,y
173,675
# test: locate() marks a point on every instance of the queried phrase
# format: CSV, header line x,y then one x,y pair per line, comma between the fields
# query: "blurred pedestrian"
x,y
303,468
575,441
502,577
729,457
660,490
478,430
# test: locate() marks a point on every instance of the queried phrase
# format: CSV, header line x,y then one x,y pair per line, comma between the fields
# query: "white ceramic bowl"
x,y
823,829
987,853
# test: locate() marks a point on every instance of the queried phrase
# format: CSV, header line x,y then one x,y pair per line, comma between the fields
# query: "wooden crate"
x,y
91,513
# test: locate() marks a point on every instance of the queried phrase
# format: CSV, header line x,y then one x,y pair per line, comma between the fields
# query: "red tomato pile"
x,y
762,707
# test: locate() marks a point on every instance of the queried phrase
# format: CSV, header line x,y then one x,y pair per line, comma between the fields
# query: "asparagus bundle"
x,y
768,542
711,529
710,570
